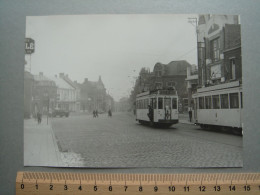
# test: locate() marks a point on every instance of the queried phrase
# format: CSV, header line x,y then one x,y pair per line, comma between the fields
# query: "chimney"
x,y
41,73
61,74
86,80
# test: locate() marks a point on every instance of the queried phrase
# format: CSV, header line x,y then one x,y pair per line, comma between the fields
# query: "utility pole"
x,y
194,22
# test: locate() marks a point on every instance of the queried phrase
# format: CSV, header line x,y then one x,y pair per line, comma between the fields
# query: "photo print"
x,y
119,91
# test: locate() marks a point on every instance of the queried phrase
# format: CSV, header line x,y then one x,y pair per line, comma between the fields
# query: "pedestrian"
x,y
94,114
190,114
109,113
39,117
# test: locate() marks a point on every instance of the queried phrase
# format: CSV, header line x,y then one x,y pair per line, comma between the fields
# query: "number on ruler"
x,y
217,188
186,188
171,188
247,187
202,188
232,188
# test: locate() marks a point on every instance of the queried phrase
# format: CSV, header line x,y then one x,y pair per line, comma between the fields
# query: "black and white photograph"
x,y
133,90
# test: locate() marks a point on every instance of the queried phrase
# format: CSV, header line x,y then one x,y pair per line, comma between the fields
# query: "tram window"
x,y
224,101
167,102
215,99
208,102
241,99
174,103
160,103
154,104
234,100
201,102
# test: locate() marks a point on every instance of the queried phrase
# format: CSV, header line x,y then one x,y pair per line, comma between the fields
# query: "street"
x,y
120,141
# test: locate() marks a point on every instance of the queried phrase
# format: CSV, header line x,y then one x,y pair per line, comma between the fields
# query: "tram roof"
x,y
158,92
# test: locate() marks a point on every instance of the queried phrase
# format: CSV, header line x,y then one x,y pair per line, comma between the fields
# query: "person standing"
x,y
39,117
190,114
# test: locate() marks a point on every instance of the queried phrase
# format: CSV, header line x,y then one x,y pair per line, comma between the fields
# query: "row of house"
x,y
45,93
219,53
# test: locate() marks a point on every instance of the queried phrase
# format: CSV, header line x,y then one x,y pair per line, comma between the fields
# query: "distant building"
x,y
94,96
28,96
44,94
192,83
76,86
66,97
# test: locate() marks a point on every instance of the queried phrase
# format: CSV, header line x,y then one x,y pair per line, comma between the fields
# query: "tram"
x,y
219,106
157,108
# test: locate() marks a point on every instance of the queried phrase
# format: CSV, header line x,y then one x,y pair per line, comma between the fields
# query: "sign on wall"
x,y
216,71
29,46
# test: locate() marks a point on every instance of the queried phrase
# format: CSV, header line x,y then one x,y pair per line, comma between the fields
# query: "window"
x,y
224,101
171,84
215,100
234,102
167,102
154,103
215,47
232,67
201,102
174,103
208,102
160,103
158,85
241,99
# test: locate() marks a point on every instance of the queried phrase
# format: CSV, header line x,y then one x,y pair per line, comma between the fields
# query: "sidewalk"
x,y
40,147
184,118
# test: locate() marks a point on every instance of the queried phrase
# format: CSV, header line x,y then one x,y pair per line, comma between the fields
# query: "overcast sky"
x,y
115,47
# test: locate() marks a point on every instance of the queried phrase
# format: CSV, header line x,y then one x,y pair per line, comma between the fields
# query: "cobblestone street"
x,y
121,142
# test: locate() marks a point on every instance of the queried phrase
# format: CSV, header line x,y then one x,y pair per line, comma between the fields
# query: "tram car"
x,y
157,108
219,106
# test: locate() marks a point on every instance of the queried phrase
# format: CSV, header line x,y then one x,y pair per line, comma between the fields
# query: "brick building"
x,y
167,76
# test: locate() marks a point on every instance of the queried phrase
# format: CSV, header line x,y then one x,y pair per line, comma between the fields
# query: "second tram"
x,y
158,108
219,106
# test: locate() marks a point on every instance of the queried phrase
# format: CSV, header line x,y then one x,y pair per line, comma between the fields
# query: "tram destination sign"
x,y
29,46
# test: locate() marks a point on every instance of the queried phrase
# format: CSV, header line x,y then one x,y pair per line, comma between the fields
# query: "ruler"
x,y
28,183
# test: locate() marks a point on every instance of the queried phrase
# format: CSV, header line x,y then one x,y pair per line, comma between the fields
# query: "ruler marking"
x,y
248,183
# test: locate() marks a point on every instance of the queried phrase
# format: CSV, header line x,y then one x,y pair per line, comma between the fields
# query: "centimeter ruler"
x,y
29,183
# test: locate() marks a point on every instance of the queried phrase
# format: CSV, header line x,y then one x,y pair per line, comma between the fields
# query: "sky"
x,y
114,47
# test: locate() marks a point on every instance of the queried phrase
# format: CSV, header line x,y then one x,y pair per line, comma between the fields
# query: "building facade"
x,y
166,76
44,94
219,49
94,96
66,98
